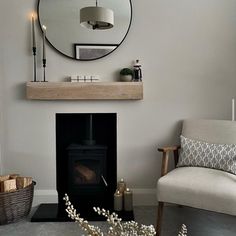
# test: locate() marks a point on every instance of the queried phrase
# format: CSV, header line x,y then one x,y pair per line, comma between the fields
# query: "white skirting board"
x,y
44,196
141,197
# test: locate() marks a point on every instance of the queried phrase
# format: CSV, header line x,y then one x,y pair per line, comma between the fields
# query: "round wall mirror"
x,y
68,35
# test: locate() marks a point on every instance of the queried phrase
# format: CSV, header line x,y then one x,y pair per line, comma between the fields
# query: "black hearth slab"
x,y
48,212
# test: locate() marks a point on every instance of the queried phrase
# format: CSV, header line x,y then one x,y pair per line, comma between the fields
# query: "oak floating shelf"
x,y
84,90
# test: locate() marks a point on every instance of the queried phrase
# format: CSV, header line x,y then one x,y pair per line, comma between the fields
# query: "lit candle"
x,y
33,31
118,201
121,186
233,109
128,200
44,38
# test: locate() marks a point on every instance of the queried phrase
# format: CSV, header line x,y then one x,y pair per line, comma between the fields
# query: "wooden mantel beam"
x,y
84,90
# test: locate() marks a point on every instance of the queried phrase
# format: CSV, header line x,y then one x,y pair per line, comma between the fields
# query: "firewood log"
x,y
22,182
85,174
14,176
8,185
4,177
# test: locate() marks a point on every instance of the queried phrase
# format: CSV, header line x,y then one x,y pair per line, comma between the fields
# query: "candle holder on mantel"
x,y
34,56
44,70
34,47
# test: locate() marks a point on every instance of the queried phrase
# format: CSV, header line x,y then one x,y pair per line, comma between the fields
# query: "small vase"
x,y
126,78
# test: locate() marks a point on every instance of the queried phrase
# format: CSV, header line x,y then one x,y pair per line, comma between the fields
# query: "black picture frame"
x,y
88,51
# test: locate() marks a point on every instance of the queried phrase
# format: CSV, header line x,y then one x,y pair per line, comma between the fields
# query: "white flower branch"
x,y
117,227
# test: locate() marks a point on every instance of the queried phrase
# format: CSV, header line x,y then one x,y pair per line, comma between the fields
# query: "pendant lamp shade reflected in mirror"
x,y
96,18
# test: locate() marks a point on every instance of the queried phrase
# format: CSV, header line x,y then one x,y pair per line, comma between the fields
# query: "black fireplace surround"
x,y
86,164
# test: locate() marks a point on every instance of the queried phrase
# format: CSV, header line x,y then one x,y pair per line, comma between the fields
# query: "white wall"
x,y
187,49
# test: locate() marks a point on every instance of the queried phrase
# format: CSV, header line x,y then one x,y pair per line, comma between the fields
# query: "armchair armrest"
x,y
165,157
170,148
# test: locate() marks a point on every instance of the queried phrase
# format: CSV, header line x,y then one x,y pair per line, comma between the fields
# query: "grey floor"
x,y
199,223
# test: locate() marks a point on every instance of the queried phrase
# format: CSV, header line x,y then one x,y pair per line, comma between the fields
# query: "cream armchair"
x,y
198,187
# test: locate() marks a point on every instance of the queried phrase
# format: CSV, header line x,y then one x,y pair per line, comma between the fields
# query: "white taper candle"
x,y
233,109
33,32
44,39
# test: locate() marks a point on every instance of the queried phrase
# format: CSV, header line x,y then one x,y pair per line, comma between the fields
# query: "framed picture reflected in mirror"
x,y
92,51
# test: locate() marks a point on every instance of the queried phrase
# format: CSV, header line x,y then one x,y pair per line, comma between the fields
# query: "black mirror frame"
x,y
74,58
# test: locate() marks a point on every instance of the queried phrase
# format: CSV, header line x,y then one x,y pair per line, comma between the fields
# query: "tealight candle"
x,y
128,200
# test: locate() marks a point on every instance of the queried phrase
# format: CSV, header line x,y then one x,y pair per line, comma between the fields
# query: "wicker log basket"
x,y
16,205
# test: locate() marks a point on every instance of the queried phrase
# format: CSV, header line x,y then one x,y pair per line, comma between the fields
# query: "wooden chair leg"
x,y
159,218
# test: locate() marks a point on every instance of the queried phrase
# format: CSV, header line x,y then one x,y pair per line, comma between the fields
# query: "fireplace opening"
x,y
86,166
86,160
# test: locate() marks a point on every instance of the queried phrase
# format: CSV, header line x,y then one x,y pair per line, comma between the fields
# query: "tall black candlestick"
x,y
44,70
44,53
34,55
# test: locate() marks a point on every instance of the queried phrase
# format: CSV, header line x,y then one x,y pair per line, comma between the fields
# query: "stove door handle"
x,y
104,181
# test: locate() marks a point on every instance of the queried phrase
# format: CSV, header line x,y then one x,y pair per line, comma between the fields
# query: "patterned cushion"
x,y
210,155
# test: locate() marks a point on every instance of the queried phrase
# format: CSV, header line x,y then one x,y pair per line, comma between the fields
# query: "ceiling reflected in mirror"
x,y
85,29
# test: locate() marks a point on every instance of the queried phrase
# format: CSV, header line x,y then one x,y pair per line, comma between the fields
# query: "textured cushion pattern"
x,y
203,154
199,187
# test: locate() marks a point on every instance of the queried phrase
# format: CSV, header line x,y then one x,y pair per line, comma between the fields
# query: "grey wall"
x,y
188,52
1,95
